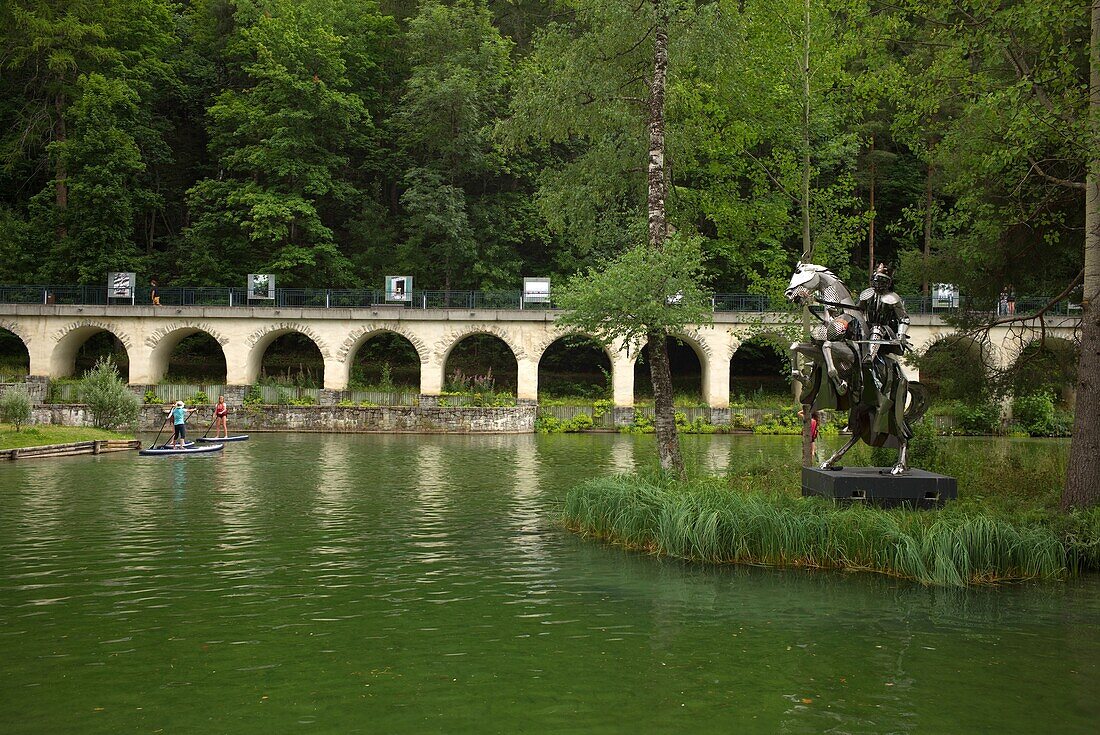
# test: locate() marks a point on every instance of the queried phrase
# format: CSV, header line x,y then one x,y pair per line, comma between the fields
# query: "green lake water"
x,y
414,584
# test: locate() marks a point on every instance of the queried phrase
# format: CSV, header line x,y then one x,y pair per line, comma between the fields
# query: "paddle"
x,y
208,428
154,444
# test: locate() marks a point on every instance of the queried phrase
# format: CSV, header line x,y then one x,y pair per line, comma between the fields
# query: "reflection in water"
x,y
430,537
622,455
423,584
333,488
179,478
526,510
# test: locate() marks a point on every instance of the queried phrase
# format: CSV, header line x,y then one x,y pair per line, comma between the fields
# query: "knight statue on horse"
x,y
855,352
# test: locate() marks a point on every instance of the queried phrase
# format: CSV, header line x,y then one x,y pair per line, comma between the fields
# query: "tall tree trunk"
x,y
807,246
1083,477
925,288
871,228
668,440
664,419
61,188
807,243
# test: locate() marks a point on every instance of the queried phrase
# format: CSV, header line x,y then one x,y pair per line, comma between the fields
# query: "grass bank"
x,y
42,434
740,520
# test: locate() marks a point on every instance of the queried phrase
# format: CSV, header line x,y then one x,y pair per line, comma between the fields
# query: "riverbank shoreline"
x,y
71,449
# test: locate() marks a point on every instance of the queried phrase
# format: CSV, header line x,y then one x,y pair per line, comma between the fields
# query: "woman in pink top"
x,y
220,413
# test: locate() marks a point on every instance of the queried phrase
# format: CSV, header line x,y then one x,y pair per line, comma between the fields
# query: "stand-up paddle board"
x,y
168,445
158,451
238,438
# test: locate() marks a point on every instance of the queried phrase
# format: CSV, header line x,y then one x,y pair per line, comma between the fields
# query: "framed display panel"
x,y
399,288
121,285
261,286
536,290
945,296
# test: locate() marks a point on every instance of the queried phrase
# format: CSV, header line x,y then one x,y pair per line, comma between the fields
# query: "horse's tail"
x,y
919,401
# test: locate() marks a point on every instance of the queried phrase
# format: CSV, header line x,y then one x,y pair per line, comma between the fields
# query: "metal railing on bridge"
x,y
316,298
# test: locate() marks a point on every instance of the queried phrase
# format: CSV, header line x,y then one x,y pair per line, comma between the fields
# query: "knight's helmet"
x,y
882,279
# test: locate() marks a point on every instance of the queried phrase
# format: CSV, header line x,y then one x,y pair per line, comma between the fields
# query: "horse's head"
x,y
804,281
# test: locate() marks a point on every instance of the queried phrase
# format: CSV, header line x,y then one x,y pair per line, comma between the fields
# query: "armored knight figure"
x,y
887,319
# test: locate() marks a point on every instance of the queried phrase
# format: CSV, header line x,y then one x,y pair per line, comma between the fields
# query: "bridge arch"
x,y
1046,364
687,350
15,352
359,337
70,338
760,362
583,381
258,342
163,342
445,346
433,374
956,367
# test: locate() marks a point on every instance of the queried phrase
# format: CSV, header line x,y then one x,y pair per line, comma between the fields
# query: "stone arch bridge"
x,y
53,335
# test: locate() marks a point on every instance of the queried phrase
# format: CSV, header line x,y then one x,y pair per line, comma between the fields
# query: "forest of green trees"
x,y
331,142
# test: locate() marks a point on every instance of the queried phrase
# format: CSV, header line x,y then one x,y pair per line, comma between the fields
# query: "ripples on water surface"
x,y
310,583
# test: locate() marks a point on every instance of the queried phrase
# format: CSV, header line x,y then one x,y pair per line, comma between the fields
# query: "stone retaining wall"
x,y
36,388
390,419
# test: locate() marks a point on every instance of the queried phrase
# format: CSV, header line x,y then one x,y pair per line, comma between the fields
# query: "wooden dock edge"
x,y
96,446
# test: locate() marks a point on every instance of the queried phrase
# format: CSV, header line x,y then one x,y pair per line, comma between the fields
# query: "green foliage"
x,y
1037,416
459,65
386,381
704,520
480,390
640,291
15,407
980,418
547,424
200,398
109,401
80,83
254,397
302,401
640,424
925,450
284,136
786,422
150,397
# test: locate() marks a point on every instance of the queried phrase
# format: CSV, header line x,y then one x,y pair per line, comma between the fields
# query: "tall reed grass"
x,y
704,519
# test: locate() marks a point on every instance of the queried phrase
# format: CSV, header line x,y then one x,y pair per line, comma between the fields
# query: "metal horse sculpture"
x,y
854,351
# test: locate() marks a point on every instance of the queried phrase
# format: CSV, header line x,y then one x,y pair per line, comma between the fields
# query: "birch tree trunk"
x,y
668,440
61,176
1083,477
871,226
925,289
807,243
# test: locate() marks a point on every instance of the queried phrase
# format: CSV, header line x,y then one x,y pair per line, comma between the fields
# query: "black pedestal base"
x,y
875,485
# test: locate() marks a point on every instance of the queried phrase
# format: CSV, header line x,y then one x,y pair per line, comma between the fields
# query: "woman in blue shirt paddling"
x,y
179,416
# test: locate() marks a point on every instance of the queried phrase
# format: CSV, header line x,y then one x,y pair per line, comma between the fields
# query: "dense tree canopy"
x,y
470,144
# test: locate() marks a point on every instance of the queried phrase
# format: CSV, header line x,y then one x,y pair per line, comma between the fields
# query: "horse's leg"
x,y
810,350
830,366
842,451
903,457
